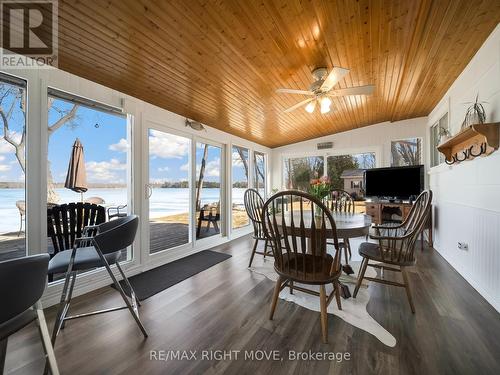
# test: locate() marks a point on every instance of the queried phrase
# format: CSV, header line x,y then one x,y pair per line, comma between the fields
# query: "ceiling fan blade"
x,y
335,76
358,90
293,108
292,91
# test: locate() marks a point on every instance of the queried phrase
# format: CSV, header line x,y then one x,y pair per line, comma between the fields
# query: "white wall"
x,y
467,196
375,138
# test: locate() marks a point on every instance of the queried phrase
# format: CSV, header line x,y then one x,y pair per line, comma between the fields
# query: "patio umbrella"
x,y
76,179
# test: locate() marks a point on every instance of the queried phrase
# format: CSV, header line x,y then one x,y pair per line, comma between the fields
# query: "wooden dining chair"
x,y
299,237
395,250
253,206
339,201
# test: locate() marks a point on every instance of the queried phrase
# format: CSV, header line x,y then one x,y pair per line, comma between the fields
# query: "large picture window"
x,y
240,171
88,157
346,171
12,168
406,152
298,172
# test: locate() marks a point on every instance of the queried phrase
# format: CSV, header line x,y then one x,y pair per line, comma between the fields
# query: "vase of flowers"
x,y
319,188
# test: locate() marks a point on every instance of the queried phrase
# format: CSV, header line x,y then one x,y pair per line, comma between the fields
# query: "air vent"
x,y
325,145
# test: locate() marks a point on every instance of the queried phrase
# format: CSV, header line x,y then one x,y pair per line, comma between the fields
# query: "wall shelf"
x,y
473,141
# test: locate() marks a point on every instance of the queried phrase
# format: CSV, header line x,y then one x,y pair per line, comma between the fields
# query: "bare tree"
x,y
18,98
367,160
202,177
243,160
259,169
406,152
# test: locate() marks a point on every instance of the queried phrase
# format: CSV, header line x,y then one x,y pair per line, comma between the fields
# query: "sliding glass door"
x,y
168,190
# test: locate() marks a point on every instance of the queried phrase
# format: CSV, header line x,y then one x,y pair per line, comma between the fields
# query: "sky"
x,y
104,137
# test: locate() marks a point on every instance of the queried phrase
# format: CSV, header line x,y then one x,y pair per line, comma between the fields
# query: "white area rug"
x,y
353,309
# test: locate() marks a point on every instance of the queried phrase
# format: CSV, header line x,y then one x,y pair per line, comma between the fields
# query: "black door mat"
x,y
149,283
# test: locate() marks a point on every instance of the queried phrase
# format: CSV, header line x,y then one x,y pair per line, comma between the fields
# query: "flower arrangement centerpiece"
x,y
319,188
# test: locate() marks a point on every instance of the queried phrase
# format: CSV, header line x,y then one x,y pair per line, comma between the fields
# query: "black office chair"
x,y
22,282
102,250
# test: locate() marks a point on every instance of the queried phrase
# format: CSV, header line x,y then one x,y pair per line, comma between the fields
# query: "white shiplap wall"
x,y
467,196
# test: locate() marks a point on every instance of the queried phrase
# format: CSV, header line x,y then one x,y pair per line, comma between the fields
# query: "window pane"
x,y
441,126
101,174
239,185
12,171
260,173
346,171
299,171
406,152
434,143
208,190
170,196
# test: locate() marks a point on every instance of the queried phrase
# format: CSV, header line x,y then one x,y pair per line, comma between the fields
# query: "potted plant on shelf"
x,y
319,188
443,135
475,114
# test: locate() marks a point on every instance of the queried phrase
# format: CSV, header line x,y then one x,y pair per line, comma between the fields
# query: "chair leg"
x,y
345,253
361,274
348,247
324,315
336,286
63,301
20,227
122,293
407,288
125,278
47,344
253,252
265,248
3,353
290,284
68,298
276,294
198,229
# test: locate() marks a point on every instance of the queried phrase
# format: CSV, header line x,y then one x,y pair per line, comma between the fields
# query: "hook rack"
x,y
467,154
474,141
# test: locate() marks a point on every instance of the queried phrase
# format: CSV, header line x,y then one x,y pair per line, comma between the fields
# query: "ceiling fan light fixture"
x,y
326,102
311,106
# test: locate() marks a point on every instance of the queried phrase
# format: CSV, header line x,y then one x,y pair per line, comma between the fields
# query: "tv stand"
x,y
394,212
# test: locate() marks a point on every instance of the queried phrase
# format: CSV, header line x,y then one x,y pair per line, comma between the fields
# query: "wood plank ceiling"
x,y
220,62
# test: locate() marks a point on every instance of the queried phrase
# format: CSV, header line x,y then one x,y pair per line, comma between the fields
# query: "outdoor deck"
x,y
163,236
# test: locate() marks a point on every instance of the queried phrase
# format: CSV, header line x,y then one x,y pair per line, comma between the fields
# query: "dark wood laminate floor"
x,y
455,331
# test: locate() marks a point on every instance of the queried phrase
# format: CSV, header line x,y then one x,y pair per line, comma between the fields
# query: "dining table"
x,y
347,225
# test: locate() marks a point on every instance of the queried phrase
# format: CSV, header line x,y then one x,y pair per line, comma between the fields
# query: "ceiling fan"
x,y
321,90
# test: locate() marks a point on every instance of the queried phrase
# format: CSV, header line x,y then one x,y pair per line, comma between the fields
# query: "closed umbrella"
x,y
76,179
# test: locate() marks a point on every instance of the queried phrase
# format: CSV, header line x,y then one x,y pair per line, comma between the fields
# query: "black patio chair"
x,y
102,250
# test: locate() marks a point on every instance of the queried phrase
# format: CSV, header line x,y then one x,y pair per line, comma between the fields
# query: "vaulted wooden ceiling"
x,y
220,62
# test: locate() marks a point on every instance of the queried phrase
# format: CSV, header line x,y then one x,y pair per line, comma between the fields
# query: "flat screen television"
x,y
395,182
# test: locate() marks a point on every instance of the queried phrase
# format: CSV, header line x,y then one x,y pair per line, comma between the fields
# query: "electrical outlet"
x,y
463,246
